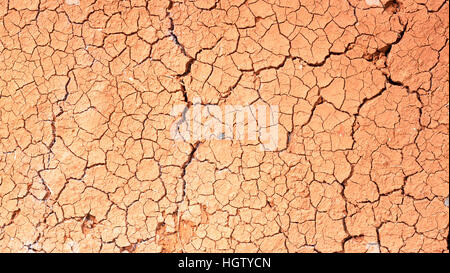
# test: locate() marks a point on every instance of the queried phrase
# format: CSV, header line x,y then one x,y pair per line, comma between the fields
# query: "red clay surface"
x,y
87,163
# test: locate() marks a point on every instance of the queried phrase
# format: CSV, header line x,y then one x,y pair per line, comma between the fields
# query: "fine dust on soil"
x,y
87,162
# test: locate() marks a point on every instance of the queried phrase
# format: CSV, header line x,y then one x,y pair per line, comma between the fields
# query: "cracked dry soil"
x,y
87,163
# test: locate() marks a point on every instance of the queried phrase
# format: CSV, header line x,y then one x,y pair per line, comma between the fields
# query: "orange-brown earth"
x,y
87,163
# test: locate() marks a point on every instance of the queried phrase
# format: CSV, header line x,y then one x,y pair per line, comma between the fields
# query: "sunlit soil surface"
x,y
88,163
